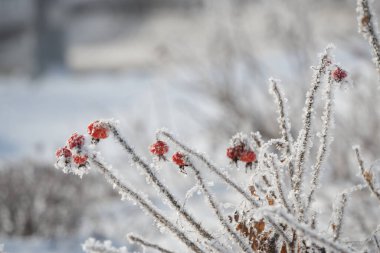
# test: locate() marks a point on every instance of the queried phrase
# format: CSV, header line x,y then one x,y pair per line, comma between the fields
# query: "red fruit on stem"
x,y
179,159
76,141
65,152
234,152
247,156
339,74
80,159
159,148
98,130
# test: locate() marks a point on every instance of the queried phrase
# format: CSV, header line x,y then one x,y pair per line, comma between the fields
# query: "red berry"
x,y
339,74
98,130
76,141
80,159
65,152
234,152
159,148
247,156
179,159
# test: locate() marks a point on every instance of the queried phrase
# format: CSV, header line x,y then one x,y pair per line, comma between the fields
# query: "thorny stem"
x,y
325,139
308,232
162,188
367,175
112,179
220,174
212,167
305,134
367,27
215,207
283,118
278,183
139,240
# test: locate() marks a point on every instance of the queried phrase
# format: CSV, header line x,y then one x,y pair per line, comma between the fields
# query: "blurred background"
x,y
198,67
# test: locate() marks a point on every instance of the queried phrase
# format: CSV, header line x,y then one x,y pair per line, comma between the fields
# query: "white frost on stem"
x,y
304,138
368,28
324,138
149,172
145,205
217,210
137,239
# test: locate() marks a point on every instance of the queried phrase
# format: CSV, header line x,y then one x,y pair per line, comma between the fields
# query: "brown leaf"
x,y
283,248
270,200
259,226
365,20
252,189
368,175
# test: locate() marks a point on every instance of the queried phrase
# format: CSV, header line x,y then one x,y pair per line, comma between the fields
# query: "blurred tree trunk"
x,y
49,38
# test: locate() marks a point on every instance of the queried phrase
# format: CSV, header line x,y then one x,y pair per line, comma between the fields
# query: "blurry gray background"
x,y
197,67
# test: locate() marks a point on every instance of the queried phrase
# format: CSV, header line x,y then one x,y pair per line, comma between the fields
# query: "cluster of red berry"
x,y
160,148
237,153
242,153
97,130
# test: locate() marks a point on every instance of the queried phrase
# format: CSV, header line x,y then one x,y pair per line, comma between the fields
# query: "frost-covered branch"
x,y
145,205
283,118
216,209
324,137
278,181
315,237
304,138
159,185
368,28
339,208
211,166
366,174
137,239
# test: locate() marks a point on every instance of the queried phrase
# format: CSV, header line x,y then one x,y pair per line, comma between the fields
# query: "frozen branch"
x,y
211,166
136,239
366,174
307,232
304,138
215,207
324,137
160,186
368,28
145,205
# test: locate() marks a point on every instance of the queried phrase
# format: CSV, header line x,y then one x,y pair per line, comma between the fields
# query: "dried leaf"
x,y
270,200
252,189
260,226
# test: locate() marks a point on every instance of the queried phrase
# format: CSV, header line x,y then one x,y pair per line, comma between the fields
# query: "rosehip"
x,y
80,160
98,130
159,148
339,74
234,152
248,156
65,152
76,141
180,159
